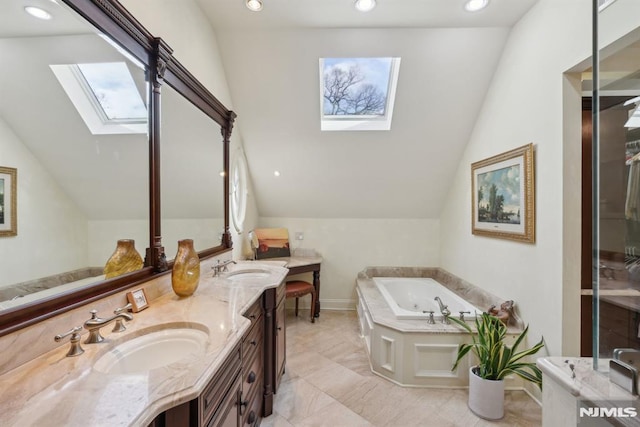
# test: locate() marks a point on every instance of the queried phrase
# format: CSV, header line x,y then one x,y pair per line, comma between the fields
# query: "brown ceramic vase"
x,y
125,259
185,275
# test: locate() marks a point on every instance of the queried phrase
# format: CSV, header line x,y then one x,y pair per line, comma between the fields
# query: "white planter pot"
x,y
486,397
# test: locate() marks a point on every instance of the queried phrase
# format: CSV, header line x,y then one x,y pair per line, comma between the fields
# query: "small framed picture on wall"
x,y
8,202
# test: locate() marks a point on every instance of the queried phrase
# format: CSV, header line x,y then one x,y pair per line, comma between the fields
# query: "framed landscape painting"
x,y
8,202
503,196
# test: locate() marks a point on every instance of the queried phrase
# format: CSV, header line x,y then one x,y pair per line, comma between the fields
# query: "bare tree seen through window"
x,y
347,92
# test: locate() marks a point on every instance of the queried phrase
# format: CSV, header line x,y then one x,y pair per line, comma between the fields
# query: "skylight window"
x,y
357,93
105,95
114,89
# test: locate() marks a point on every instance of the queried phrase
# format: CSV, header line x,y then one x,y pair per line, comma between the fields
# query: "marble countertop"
x,y
293,261
66,391
577,376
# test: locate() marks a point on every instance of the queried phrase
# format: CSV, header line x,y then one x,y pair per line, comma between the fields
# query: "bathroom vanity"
x,y
232,382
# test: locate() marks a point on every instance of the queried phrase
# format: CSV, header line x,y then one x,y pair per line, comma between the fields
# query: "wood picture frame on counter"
x,y
502,195
8,202
138,300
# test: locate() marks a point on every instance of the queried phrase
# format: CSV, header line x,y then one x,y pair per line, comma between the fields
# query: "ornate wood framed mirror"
x,y
88,155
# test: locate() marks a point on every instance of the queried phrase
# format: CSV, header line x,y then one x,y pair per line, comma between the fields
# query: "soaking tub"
x,y
402,345
415,298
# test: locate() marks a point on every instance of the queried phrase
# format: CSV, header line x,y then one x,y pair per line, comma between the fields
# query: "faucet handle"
x,y
119,326
462,313
216,268
119,310
430,320
76,349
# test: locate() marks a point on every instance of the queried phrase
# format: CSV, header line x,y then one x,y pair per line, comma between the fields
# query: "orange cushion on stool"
x,y
298,288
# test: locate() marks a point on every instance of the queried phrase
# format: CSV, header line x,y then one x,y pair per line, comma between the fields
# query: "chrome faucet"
x,y
94,324
221,267
444,309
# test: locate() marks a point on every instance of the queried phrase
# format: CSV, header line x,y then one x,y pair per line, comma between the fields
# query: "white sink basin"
x,y
153,350
254,273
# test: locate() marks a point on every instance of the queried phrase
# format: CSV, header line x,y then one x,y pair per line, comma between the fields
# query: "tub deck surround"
x,y
53,389
381,312
568,381
412,352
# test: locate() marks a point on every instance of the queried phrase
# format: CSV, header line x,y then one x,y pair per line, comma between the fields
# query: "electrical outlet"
x,y
299,235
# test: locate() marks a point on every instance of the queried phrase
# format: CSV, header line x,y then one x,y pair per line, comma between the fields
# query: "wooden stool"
x,y
300,288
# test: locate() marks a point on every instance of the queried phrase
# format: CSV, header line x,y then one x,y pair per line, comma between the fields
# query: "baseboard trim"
x,y
325,304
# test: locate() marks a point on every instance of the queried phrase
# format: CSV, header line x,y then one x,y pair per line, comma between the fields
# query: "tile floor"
x,y
328,383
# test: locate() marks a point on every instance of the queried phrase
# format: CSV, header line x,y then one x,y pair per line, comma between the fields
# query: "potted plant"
x,y
496,360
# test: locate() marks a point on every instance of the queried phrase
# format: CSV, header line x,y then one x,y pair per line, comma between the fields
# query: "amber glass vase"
x,y
125,259
185,275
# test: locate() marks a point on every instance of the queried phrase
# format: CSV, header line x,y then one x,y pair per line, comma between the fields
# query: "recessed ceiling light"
x,y
254,5
276,173
365,5
36,12
475,5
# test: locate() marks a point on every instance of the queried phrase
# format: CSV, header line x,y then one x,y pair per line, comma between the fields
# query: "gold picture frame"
x,y
503,195
138,300
8,202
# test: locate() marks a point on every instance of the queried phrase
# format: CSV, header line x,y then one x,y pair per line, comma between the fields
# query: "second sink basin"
x,y
153,350
253,273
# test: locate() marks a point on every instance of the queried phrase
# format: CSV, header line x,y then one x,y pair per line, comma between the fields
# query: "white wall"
x,y
43,210
531,101
349,245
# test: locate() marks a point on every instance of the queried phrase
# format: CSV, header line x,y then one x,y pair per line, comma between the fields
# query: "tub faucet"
x,y
94,324
444,309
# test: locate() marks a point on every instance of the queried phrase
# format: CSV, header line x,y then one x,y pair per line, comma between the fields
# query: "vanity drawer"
x,y
254,312
252,373
253,343
220,386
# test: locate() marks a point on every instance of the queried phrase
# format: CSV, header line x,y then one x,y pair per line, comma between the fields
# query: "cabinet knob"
x,y
251,418
251,378
252,316
253,342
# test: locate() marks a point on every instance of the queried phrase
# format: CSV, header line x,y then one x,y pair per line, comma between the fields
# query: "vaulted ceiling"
x,y
271,59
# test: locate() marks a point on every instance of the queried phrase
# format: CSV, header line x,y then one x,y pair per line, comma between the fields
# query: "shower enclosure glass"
x,y
614,99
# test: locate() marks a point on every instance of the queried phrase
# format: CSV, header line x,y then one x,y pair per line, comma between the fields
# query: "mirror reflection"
x,y
192,199
73,122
